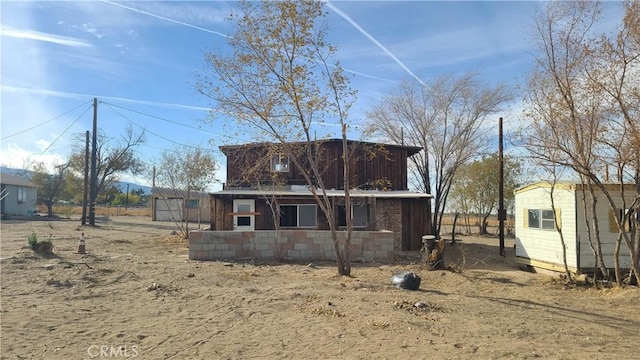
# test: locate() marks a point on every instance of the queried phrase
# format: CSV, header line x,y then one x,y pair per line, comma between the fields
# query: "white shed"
x,y
168,205
537,241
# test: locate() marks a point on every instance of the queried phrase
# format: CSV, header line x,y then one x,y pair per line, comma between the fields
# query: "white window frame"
x,y
547,223
544,223
279,163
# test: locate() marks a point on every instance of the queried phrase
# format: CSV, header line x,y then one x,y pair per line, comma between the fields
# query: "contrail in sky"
x,y
85,96
40,36
338,11
166,18
365,33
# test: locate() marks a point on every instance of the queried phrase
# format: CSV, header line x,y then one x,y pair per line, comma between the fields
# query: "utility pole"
x,y
153,200
94,191
85,191
126,205
501,211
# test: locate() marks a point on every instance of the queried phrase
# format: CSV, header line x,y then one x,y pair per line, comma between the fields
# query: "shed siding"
x,y
607,234
545,245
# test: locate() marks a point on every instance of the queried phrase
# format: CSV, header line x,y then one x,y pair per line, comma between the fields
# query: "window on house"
x,y
358,214
279,163
541,219
193,203
22,195
298,216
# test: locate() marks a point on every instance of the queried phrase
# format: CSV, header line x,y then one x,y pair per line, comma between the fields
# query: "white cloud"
x,y
14,156
89,28
43,144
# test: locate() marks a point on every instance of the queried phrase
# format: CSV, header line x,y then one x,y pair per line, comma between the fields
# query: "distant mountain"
x,y
122,185
15,172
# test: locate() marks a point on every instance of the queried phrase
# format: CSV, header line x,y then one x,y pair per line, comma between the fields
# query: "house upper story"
x,y
372,165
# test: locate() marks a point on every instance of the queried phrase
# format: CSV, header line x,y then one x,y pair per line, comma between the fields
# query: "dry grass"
x,y
137,288
68,211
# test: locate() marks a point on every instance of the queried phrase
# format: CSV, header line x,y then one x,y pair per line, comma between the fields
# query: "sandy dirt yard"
x,y
136,295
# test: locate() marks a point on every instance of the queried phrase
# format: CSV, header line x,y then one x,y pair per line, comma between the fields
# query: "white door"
x,y
244,214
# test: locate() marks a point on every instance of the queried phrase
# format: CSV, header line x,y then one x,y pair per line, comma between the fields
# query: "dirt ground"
x,y
136,294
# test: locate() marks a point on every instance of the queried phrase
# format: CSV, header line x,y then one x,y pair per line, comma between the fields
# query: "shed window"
x,y
298,215
22,195
541,219
629,215
279,163
548,220
534,219
193,203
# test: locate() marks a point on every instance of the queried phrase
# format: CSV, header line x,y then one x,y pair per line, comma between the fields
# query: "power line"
x,y
163,119
65,130
65,94
149,131
48,121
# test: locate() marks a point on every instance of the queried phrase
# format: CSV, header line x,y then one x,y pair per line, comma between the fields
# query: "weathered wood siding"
x,y
371,164
415,223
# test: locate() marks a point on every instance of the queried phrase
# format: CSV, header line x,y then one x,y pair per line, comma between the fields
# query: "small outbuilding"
x,y
538,243
177,205
19,196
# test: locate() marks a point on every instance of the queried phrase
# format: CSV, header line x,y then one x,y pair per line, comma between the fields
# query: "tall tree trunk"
x,y
562,241
596,232
483,225
49,208
453,227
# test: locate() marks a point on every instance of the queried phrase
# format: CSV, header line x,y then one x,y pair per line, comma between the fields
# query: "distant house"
x,y
537,240
388,218
19,196
169,205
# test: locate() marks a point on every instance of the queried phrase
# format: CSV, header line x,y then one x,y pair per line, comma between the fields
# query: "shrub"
x,y
40,247
33,241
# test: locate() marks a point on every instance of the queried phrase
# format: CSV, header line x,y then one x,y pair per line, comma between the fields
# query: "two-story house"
x,y
265,192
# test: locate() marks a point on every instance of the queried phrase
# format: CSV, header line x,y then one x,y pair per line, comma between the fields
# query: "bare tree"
x,y
578,100
278,82
50,186
114,157
182,172
446,117
614,69
565,116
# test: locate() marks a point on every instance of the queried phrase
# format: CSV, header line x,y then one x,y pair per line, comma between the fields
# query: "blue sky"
x,y
139,59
